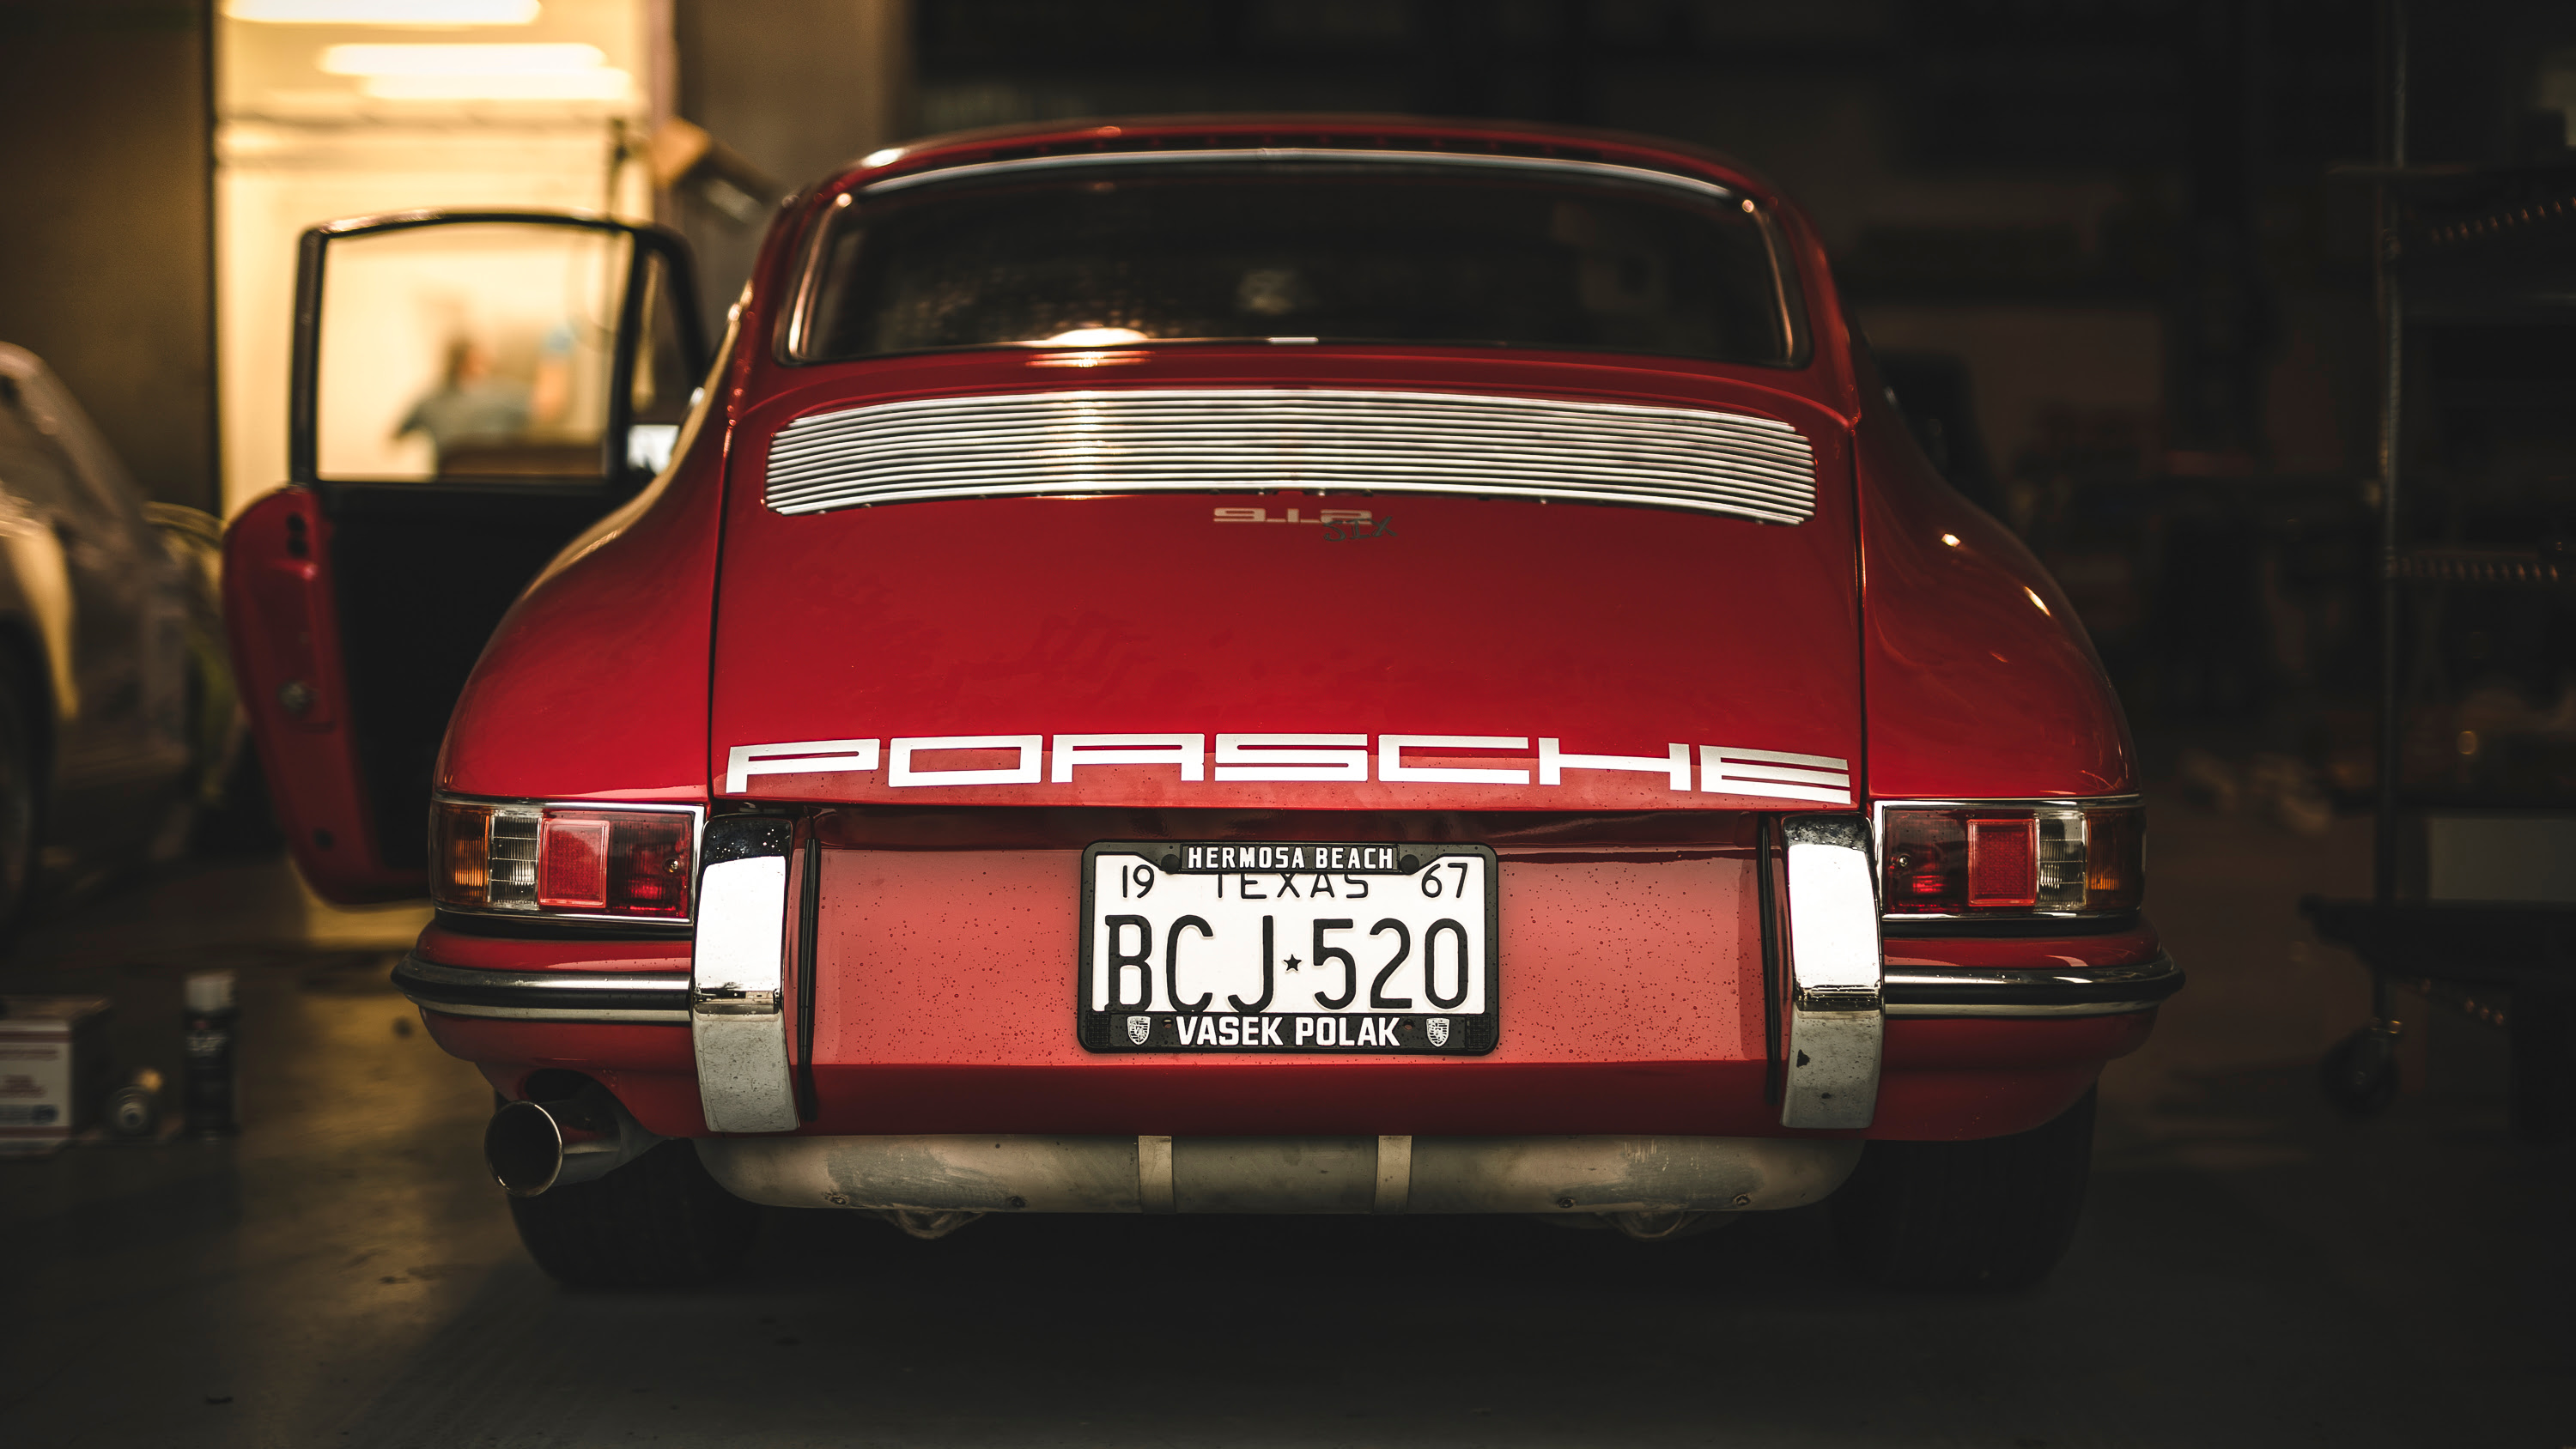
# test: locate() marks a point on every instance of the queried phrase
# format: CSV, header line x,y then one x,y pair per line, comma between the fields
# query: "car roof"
x,y
1186,133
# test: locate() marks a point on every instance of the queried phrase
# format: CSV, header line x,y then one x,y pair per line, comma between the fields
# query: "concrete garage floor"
x,y
2253,1269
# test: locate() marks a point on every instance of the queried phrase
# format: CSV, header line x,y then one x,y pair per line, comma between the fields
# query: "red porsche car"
x,y
1213,665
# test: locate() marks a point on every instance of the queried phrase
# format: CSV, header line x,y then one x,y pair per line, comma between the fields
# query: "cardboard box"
x,y
54,1070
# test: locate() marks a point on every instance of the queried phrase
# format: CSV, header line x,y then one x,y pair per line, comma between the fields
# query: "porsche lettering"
x,y
1285,758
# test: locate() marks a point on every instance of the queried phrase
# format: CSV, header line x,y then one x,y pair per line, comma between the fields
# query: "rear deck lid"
x,y
1230,582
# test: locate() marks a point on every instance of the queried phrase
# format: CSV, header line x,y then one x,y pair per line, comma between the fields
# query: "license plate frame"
x,y
1422,1029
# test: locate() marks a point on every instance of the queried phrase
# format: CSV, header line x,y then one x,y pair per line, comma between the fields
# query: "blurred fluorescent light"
x,y
384,12
606,84
461,60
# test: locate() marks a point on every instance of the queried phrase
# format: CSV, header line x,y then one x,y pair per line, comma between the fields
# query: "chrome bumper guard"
x,y
1547,1175
737,980
1837,1028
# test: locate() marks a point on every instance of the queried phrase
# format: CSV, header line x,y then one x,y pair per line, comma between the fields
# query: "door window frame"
x,y
646,241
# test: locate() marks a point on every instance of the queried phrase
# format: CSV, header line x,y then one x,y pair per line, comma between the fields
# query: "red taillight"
x,y
1963,860
495,856
1927,860
572,864
2003,861
648,867
623,863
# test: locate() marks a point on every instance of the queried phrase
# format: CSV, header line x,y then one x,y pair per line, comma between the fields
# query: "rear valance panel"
x,y
970,956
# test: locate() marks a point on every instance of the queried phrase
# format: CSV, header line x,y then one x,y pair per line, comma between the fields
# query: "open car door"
x,y
470,390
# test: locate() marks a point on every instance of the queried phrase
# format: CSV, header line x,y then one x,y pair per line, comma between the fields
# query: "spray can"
x,y
213,1086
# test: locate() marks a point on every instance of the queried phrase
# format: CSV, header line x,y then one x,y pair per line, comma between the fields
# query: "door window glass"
x,y
471,351
660,392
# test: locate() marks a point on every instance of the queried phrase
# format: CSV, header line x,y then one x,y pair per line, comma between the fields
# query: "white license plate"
x,y
1224,946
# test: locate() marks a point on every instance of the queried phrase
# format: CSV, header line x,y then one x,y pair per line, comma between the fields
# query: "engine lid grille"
x,y
1199,440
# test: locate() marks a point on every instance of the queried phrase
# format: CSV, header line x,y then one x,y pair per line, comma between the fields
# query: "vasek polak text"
x,y
1375,1033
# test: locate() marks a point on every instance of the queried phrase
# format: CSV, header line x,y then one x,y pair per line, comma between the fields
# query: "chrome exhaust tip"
x,y
533,1146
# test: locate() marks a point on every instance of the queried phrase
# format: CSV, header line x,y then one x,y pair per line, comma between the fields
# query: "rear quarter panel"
x,y
1981,680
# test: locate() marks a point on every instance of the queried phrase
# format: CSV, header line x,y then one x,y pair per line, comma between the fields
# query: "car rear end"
x,y
1330,757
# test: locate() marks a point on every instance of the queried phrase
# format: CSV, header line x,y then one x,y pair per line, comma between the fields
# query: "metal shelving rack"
x,y
2475,246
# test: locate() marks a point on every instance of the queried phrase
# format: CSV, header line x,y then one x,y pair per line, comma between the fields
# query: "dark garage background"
x,y
2119,255
2118,215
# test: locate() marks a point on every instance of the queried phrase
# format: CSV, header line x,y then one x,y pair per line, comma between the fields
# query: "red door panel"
x,y
282,617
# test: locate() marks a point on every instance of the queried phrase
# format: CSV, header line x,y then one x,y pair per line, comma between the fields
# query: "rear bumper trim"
x,y
659,998
2060,990
1837,988
738,1027
1552,1176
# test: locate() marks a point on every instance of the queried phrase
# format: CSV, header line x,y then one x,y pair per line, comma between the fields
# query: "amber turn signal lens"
x,y
460,853
2115,864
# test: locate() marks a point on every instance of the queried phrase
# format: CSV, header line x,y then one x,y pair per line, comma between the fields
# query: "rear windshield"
x,y
1329,253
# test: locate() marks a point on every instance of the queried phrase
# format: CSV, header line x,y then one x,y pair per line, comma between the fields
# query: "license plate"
x,y
1369,948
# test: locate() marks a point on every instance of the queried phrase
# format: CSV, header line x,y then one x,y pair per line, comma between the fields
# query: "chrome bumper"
x,y
733,999
662,998
1547,1175
2024,991
659,998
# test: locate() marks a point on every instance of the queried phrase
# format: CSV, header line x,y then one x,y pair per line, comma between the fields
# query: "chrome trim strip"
x,y
1793,340
1599,170
737,984
793,328
1201,440
2046,991
1836,1031
2015,1011
658,998
1879,808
